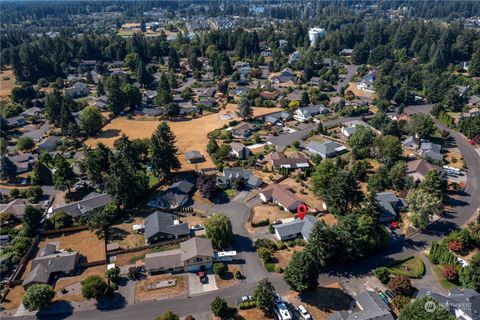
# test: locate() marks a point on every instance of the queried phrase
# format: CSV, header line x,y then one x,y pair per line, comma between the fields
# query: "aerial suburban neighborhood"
x,y
250,159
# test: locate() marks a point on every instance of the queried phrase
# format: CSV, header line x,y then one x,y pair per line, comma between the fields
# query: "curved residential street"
x,y
461,209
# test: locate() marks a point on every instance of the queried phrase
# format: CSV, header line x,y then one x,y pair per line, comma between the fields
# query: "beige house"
x,y
194,254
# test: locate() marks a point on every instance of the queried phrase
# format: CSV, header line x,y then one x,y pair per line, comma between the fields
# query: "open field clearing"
x,y
352,86
191,134
7,82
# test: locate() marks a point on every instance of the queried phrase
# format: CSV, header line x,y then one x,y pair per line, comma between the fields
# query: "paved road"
x,y
457,216
351,70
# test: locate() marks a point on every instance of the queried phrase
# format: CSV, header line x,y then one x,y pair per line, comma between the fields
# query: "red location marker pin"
x,y
302,211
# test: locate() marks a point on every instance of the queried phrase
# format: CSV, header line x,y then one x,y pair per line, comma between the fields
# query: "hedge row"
x,y
247,305
262,223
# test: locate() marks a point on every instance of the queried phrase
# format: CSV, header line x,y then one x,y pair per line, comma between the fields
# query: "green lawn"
x,y
437,270
152,179
412,267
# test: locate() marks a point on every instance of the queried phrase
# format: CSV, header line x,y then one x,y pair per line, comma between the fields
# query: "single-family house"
x,y
296,160
49,144
83,207
297,228
32,112
239,150
208,102
270,95
87,63
411,143
462,90
328,149
349,127
230,175
193,255
463,305
243,130
148,97
474,101
389,205
281,195
473,112
16,207
277,118
294,57
78,89
314,81
101,102
48,262
287,75
418,169
15,122
431,151
176,195
150,112
194,156
366,84
24,162
164,226
207,92
346,52
295,95
369,306
306,113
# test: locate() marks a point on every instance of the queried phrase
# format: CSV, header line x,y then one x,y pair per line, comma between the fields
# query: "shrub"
x,y
399,302
456,246
400,285
219,268
38,296
291,243
238,275
382,274
220,308
278,269
94,287
450,272
264,254
265,243
271,229
281,245
270,267
300,242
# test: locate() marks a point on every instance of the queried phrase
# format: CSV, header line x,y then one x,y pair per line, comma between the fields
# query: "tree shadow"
x,y
110,133
60,309
221,198
242,243
327,299
117,234
116,301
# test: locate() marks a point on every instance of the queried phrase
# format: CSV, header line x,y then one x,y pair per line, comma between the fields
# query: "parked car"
x,y
383,296
303,312
390,294
246,298
197,227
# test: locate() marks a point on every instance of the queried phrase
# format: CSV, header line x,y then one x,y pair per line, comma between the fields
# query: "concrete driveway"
x,y
196,287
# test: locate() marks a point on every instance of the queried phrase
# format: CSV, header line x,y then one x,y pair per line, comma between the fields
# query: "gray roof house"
x,y
431,151
277,117
177,194
411,143
32,112
370,307
83,207
296,228
239,150
281,195
389,205
15,207
162,226
15,122
327,149
462,304
190,257
49,144
49,261
230,174
24,162
243,130
79,89
296,160
303,114
286,75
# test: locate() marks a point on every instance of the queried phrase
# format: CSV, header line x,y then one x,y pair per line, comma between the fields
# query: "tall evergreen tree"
x,y
63,176
302,273
164,151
